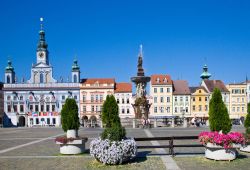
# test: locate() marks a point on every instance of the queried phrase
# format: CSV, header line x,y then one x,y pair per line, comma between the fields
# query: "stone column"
x,y
184,122
155,123
172,122
134,123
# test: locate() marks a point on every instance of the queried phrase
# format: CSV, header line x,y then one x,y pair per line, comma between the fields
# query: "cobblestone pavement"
x,y
44,144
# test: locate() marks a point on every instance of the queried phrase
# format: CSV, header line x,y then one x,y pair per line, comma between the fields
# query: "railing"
x,y
171,144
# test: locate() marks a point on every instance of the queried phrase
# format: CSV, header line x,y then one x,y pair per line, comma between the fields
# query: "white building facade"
x,y
38,101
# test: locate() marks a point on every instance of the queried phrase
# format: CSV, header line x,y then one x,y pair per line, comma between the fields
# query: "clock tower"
x,y
42,54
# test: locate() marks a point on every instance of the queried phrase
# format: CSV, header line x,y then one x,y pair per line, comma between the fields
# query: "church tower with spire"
x,y
42,53
75,73
42,71
205,74
9,73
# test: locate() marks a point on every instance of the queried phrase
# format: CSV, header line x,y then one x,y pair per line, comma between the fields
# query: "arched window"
x,y
8,79
75,78
41,78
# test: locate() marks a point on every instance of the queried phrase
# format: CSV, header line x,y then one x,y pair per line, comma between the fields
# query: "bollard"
x,y
172,122
134,123
155,123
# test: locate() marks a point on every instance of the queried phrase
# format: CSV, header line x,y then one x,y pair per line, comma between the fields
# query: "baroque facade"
x,y
38,101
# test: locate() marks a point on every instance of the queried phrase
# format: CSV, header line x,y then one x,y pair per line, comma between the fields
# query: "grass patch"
x,y
201,163
136,164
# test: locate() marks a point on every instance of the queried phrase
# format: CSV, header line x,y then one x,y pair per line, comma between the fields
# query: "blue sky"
x,y
178,37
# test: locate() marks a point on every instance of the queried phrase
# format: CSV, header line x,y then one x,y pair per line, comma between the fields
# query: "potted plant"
x,y
71,143
219,143
112,147
246,147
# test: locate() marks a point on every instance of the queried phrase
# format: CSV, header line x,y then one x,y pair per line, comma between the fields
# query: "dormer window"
x,y
165,80
158,80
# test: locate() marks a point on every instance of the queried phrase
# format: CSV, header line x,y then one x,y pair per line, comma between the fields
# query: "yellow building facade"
x,y
199,102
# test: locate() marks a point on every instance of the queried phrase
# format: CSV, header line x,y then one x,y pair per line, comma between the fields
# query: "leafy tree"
x,y
247,121
110,117
218,113
69,114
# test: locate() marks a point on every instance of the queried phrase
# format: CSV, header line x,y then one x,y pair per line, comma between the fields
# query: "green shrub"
x,y
110,117
247,121
115,133
218,113
69,115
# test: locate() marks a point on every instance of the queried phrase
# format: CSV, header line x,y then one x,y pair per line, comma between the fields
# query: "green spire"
x,y
9,68
205,75
75,66
42,45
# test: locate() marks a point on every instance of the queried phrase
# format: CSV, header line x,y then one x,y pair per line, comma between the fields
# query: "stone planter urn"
x,y
71,144
216,152
245,148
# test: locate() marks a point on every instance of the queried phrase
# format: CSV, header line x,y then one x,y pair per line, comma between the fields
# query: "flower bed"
x,y
65,140
224,140
113,152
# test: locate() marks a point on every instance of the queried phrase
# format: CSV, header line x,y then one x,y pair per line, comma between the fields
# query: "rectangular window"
x,y
233,109
21,108
92,108
54,121
123,110
168,109
31,108
36,108
161,90
168,90
175,109
84,98
63,97
84,109
42,108
127,111
123,101
186,99
175,99
200,99
162,100
155,109
15,107
92,98
186,109
193,99
155,90
238,109
127,101
168,99
47,108
96,108
162,109
200,108
53,107
37,121
96,98
181,99
243,109
155,99
101,98
206,107
48,121
193,107
75,97
9,108
206,99
118,101
243,99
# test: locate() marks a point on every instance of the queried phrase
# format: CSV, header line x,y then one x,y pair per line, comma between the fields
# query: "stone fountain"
x,y
141,104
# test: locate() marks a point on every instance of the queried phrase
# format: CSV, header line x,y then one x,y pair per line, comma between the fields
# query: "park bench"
x,y
171,144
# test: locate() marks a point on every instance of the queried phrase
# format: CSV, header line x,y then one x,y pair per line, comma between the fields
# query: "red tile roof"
x,y
212,84
181,87
98,80
160,79
123,87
